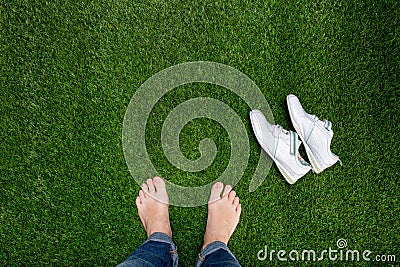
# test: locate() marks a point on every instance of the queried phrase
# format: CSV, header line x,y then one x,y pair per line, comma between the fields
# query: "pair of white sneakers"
x,y
283,146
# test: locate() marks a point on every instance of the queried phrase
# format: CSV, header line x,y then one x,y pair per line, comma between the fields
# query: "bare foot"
x,y
223,214
152,204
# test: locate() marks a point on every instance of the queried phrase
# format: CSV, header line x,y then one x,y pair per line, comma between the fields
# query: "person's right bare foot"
x,y
223,214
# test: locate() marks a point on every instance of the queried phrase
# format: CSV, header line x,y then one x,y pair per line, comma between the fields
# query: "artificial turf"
x,y
69,68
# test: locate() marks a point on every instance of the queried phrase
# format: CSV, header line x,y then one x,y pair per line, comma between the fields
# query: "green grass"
x,y
69,68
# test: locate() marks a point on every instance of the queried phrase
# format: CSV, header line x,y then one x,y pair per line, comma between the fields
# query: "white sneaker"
x,y
315,134
281,145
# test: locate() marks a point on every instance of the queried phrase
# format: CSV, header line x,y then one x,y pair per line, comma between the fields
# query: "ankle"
x,y
163,230
210,240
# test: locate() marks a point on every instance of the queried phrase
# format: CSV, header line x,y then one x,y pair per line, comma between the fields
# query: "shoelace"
x,y
327,124
287,135
279,129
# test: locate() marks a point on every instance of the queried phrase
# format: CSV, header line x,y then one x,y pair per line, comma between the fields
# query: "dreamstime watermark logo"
x,y
332,254
152,90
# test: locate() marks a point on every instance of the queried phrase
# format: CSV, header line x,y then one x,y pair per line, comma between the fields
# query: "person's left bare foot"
x,y
152,204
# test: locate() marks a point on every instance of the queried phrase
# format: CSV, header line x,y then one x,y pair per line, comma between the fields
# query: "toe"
x,y
150,184
236,201
138,201
239,208
142,195
216,191
227,189
232,195
161,190
145,188
159,183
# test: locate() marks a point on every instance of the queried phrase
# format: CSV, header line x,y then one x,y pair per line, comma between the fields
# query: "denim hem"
x,y
211,248
164,238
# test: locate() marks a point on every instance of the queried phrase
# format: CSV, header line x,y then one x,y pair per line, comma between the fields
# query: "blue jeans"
x,y
160,250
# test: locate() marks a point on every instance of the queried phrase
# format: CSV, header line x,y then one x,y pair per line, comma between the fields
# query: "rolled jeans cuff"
x,y
164,238
211,248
